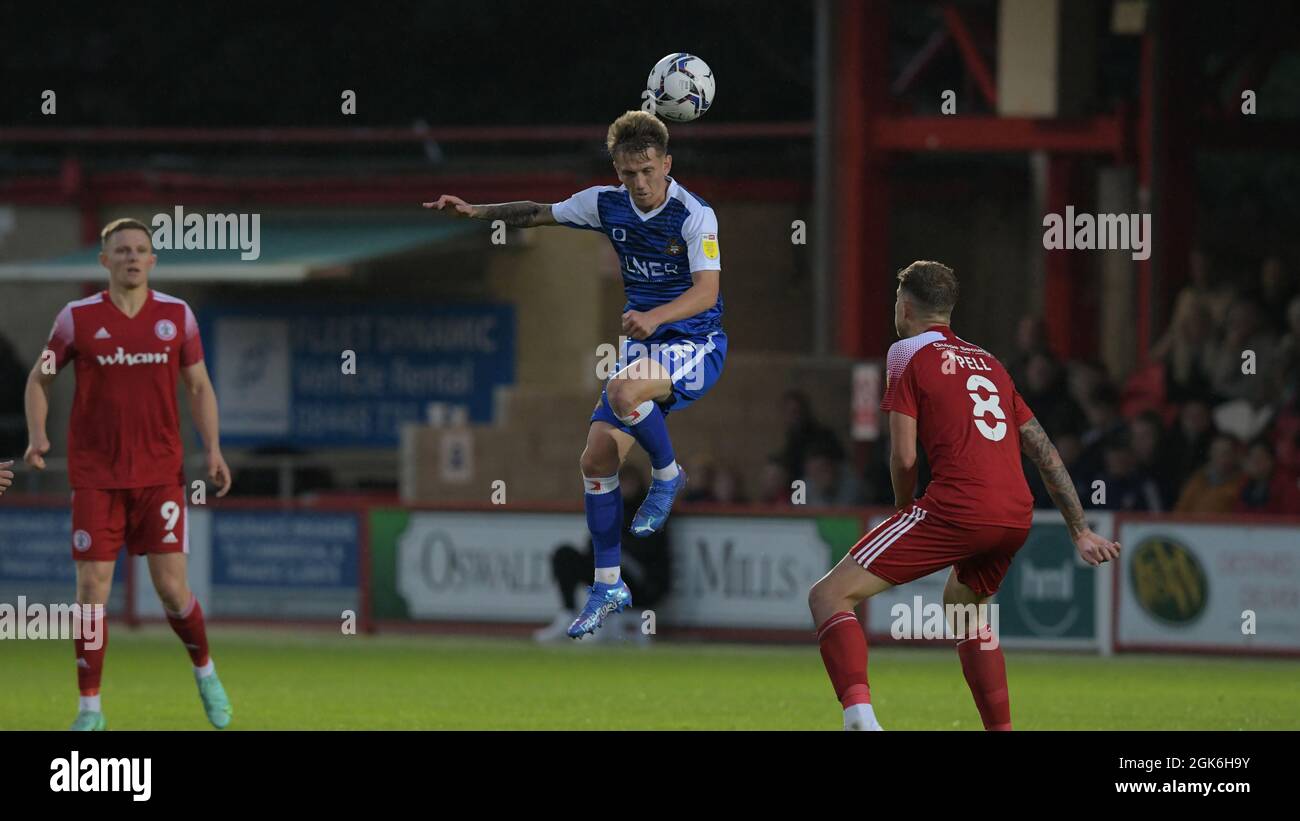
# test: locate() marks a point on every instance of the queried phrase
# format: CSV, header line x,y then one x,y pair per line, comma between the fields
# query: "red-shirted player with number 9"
x,y
130,344
976,512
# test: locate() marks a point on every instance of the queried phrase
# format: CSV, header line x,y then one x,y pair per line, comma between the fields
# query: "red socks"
x,y
844,652
90,648
188,624
986,673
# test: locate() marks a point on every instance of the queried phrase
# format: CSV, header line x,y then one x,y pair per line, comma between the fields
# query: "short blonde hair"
x,y
636,132
123,224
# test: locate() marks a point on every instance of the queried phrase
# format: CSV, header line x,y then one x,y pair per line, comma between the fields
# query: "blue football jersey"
x,y
657,251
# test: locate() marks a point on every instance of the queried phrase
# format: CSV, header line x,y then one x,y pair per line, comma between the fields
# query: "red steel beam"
x,y
1145,176
125,187
442,134
970,55
1103,134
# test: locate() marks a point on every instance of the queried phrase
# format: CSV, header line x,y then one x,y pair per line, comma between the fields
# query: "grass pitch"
x,y
311,679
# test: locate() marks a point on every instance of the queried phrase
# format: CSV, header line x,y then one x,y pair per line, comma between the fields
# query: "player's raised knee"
x,y
622,395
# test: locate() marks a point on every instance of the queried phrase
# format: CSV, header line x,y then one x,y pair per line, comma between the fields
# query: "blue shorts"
x,y
694,364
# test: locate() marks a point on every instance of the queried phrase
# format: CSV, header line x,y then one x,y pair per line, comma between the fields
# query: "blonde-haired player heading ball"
x,y
666,239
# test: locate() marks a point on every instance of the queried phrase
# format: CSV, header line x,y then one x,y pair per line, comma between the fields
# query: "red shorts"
x,y
912,543
145,519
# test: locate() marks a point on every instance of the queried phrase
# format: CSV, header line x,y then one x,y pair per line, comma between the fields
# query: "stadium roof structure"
x,y
288,251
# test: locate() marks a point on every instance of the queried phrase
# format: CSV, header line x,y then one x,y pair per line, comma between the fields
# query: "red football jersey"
x,y
125,427
968,415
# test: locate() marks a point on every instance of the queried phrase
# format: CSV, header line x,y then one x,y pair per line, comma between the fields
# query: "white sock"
x,y
638,414
665,474
597,485
89,704
607,575
860,717
206,670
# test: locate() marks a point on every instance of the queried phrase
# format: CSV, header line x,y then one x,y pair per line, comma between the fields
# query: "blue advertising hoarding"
x,y
291,564
350,376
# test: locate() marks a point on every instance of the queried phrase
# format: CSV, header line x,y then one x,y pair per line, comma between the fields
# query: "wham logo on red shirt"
x,y
124,429
124,358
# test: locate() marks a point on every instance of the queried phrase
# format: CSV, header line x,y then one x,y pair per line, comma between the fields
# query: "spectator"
x,y
1216,487
1276,289
1286,431
646,563
1288,348
727,488
831,483
1125,487
1244,332
1044,391
774,484
1031,341
1104,421
1186,352
700,486
1267,488
804,433
1210,297
724,487
1083,379
1189,443
1146,435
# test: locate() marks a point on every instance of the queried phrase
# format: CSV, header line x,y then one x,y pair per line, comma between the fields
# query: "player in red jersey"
x,y
976,511
129,345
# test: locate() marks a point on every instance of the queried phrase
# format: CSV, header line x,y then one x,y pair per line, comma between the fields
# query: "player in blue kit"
x,y
667,243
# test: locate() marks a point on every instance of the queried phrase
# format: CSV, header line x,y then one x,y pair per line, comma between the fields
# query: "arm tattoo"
x,y
1040,450
515,214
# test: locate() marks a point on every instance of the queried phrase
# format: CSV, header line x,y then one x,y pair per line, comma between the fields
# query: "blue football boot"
x,y
603,600
658,502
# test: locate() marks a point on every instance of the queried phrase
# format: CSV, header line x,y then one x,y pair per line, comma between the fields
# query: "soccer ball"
x,y
681,86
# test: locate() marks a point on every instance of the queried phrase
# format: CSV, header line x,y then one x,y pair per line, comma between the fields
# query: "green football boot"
x,y
215,702
89,720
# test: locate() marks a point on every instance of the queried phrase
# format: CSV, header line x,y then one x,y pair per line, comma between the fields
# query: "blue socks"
x,y
648,426
604,503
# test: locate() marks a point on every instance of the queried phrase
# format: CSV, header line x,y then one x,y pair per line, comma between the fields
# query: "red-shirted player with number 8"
x,y
129,345
976,511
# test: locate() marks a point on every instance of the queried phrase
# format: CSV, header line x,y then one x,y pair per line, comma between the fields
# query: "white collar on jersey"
x,y
668,197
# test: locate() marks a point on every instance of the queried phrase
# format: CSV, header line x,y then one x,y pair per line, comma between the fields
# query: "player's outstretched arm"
x,y
1035,444
523,214
37,408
